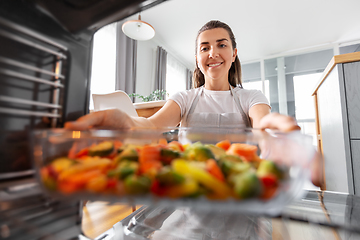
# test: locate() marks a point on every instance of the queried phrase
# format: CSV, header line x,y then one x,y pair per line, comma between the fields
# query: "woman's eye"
x,y
222,45
203,49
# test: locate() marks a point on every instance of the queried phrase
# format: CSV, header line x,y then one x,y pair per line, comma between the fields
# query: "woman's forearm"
x,y
141,122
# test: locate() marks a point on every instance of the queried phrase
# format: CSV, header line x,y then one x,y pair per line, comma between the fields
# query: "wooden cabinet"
x,y
337,104
147,109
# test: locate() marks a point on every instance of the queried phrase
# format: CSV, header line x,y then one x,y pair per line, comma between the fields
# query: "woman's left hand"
x,y
280,122
287,124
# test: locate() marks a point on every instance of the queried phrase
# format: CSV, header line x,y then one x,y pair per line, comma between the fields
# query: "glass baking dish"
x,y
58,150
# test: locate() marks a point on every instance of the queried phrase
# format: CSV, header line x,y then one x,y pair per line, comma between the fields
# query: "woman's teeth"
x,y
214,64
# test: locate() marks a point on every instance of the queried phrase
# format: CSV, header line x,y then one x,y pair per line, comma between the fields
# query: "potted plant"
x,y
156,100
154,96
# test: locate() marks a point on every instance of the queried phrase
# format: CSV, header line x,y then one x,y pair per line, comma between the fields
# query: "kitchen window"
x,y
103,62
175,76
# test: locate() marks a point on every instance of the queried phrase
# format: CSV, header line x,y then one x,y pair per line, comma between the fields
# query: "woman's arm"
x,y
168,115
257,112
261,117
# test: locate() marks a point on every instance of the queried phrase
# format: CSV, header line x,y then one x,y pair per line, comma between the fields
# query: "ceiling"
x,y
262,28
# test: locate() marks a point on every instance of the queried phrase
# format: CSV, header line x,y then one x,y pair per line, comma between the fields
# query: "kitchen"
x,y
72,111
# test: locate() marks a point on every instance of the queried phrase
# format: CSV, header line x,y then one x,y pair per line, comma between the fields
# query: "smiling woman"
x,y
218,99
214,58
213,49
219,102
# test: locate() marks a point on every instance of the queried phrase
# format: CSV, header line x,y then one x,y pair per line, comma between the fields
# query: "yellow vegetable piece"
x,y
186,145
60,164
99,164
220,189
97,184
184,189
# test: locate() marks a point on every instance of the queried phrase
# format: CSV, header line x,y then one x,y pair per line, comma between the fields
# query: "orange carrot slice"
x,y
225,144
241,149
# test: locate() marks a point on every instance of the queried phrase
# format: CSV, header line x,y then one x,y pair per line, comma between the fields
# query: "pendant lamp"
x,y
138,30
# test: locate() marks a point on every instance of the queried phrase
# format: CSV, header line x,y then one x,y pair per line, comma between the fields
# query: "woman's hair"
x,y
235,69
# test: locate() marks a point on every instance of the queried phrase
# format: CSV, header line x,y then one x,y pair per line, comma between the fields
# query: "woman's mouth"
x,y
214,64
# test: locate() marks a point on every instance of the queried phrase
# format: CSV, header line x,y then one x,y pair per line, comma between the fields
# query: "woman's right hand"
x,y
107,119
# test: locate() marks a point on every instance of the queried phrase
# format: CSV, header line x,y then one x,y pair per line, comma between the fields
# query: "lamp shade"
x,y
138,30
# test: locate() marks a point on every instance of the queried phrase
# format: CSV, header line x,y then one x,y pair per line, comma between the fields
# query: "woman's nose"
x,y
213,53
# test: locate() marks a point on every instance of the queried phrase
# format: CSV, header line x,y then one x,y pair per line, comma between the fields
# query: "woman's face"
x,y
215,54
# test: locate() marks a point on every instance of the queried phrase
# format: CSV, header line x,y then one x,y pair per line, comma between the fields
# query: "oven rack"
x,y
47,74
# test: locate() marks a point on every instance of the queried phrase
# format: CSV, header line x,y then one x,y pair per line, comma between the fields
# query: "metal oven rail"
x,y
50,74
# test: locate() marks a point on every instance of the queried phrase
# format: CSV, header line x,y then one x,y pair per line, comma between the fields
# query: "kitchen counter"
x,y
318,215
100,216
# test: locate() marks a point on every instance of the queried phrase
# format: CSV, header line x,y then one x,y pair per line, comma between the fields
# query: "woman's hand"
x,y
109,119
287,124
167,116
280,122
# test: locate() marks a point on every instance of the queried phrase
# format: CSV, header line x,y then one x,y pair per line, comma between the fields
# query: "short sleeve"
x,y
257,97
251,97
184,99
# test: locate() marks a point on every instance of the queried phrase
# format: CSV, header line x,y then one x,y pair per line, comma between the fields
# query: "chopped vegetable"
x,y
225,144
217,151
48,180
244,150
137,184
102,149
163,142
220,189
269,167
198,152
175,145
167,155
97,184
124,169
187,188
60,164
128,153
167,169
167,176
247,185
79,168
214,169
149,159
230,167
82,152
231,158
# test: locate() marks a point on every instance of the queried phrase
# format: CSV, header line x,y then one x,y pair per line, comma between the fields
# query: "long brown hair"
x,y
235,69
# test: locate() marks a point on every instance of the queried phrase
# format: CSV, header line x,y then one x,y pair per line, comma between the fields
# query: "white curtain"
x,y
188,79
177,76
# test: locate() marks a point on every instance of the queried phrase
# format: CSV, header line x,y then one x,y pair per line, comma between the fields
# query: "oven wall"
x,y
15,125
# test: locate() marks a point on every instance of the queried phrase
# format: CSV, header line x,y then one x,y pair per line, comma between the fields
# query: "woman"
x,y
217,99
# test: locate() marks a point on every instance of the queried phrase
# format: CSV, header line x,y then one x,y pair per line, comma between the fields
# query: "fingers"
x,y
278,121
86,122
107,119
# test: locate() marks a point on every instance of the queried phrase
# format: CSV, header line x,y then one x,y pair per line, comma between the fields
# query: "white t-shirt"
x,y
218,101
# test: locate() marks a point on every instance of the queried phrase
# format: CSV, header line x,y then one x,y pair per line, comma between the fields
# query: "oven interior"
x,y
45,59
